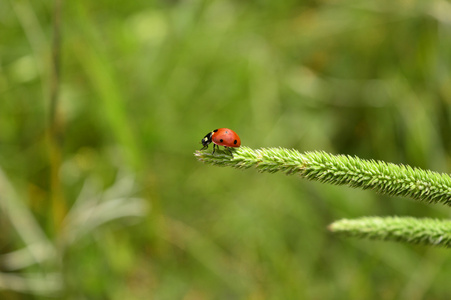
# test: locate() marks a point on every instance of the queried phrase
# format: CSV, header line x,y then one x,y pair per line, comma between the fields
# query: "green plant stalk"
x,y
406,229
382,177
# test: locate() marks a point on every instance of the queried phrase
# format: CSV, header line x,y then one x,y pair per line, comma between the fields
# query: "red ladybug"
x,y
221,137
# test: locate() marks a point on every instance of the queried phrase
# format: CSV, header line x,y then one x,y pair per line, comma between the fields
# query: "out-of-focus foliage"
x,y
142,83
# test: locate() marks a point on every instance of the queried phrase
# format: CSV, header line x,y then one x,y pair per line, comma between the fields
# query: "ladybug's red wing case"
x,y
221,137
226,137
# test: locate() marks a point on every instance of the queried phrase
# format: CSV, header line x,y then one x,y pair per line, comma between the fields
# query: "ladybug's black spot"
x,y
221,140
215,130
235,141
226,132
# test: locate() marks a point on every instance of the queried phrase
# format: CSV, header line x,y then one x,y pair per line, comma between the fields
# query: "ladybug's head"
x,y
207,139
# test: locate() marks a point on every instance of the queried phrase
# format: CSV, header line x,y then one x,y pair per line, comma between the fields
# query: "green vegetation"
x,y
385,178
104,200
382,177
407,230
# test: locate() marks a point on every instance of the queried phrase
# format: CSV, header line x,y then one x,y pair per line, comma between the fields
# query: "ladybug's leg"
x,y
214,148
204,147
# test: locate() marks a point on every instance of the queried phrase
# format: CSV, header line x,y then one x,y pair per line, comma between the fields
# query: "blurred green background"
x,y
115,206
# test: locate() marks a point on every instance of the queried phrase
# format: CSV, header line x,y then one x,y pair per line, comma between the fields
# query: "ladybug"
x,y
221,137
